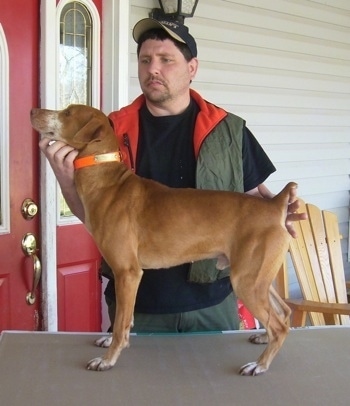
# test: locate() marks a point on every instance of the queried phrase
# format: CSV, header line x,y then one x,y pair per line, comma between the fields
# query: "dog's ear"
x,y
91,132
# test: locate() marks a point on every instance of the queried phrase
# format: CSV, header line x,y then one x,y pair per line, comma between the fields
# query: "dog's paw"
x,y
252,369
104,342
99,364
261,338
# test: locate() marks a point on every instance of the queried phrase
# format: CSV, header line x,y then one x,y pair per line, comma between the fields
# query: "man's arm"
x,y
61,157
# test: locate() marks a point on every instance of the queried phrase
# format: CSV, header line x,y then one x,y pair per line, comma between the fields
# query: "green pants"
x,y
221,317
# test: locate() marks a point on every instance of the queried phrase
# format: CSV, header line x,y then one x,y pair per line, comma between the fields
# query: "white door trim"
x,y
48,185
5,225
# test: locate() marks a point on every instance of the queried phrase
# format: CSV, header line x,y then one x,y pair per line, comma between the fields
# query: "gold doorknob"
x,y
29,209
30,249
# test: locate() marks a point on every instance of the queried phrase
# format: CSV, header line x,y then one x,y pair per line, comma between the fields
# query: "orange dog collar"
x,y
91,160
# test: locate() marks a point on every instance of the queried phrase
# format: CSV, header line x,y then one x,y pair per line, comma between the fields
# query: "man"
x,y
172,135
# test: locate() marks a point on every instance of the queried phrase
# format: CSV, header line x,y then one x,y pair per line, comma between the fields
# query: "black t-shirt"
x,y
166,154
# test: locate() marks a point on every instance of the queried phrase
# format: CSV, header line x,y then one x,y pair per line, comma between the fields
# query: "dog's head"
x,y
77,125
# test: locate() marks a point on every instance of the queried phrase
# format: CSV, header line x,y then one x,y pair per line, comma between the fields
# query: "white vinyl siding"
x,y
284,66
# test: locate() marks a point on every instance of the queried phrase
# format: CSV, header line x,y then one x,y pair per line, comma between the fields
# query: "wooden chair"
x,y
317,258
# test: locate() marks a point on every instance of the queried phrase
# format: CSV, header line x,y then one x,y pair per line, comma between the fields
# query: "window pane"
x,y
75,52
75,55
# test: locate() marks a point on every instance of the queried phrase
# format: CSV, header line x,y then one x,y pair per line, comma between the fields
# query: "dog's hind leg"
x,y
281,309
273,313
251,276
126,285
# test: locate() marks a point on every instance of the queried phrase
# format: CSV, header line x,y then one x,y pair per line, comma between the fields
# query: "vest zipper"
x,y
126,143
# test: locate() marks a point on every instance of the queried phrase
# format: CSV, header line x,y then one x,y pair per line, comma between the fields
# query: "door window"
x,y
78,66
75,55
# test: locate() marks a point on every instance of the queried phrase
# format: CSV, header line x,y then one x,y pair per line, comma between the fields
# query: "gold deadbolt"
x,y
29,209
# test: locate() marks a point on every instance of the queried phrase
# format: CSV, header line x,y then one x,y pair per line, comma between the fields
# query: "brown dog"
x,y
120,212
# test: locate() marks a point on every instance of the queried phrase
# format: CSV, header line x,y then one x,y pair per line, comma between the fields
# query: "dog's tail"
x,y
287,195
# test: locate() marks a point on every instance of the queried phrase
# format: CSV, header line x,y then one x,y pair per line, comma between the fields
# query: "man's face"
x,y
164,73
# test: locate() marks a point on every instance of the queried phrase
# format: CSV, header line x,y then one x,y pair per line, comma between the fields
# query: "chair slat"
x,y
282,281
336,261
304,258
319,234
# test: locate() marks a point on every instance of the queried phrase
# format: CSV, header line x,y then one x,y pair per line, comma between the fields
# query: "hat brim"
x,y
148,24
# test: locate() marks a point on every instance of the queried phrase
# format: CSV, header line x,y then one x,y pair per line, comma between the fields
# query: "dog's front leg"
x,y
126,285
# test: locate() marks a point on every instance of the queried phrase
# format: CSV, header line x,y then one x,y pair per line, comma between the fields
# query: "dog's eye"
x,y
67,112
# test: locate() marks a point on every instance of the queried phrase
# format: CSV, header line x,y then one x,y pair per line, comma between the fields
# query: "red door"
x,y
78,300
78,285
20,35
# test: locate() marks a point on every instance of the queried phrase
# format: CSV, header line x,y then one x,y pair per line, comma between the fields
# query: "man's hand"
x,y
61,157
292,214
293,206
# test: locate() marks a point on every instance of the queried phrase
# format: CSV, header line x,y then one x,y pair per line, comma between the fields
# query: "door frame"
x,y
4,133
115,88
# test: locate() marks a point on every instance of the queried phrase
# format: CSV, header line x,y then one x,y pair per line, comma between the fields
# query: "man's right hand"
x,y
61,157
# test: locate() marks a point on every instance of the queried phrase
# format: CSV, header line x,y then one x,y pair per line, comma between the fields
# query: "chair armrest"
x,y
318,307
